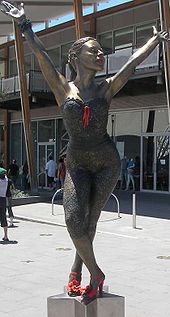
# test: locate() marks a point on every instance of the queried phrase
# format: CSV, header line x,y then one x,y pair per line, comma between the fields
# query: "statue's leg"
x,y
77,196
76,207
103,183
86,191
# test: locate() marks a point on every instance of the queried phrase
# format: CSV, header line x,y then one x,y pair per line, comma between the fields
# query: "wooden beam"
x,y
25,106
6,112
6,61
93,27
6,117
78,11
164,8
166,17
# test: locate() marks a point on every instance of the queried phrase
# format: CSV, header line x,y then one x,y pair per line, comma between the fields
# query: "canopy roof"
x,y
40,11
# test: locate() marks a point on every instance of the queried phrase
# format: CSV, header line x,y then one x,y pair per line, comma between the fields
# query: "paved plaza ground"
x,y
36,262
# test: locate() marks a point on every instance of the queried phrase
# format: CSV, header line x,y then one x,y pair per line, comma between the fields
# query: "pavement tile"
x,y
136,261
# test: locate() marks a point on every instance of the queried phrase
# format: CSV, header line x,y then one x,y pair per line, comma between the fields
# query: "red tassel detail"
x,y
86,116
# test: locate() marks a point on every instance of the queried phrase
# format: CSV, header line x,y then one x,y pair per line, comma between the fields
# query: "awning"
x,y
40,11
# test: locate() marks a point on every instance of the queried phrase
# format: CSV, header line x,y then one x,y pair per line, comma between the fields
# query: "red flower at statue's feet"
x,y
73,287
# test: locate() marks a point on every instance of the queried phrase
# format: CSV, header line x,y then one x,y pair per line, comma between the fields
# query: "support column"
x,y
93,27
6,113
25,106
78,19
164,7
6,137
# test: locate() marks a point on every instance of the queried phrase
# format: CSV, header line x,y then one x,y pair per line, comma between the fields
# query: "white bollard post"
x,y
134,210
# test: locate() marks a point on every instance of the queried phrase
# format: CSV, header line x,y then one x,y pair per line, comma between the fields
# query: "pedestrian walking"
x,y
13,171
130,174
10,189
3,190
61,174
51,168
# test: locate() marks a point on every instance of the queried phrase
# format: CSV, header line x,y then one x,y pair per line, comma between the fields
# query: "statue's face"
x,y
91,56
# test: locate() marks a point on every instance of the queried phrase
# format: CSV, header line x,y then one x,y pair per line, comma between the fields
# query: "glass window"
x,y
54,54
148,162
143,34
34,136
2,69
123,38
1,144
160,121
61,137
15,143
46,130
13,71
105,41
162,163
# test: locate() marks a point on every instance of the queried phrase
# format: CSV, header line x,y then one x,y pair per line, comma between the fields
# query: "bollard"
x,y
134,210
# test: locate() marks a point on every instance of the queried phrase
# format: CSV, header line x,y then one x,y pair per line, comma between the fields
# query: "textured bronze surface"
x,y
93,165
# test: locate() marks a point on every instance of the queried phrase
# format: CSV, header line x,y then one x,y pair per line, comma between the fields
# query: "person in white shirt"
x,y
3,190
50,168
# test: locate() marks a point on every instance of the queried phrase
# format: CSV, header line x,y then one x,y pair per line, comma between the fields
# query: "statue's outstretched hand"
x,y
14,12
162,35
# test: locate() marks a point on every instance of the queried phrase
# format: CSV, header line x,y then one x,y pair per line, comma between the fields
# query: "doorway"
x,y
155,172
44,150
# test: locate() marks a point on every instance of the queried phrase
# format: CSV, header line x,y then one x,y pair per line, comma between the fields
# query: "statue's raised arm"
x,y
116,82
57,82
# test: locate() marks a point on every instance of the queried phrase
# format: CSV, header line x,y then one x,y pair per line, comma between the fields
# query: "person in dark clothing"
x,y
26,183
1,164
13,171
61,174
3,189
9,201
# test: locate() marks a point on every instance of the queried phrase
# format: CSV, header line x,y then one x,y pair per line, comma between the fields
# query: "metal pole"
x,y
118,204
134,210
58,191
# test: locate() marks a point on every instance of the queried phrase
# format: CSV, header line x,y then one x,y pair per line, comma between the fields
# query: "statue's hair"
x,y
75,51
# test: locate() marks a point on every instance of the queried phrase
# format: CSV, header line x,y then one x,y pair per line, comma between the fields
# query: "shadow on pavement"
x,y
147,204
9,242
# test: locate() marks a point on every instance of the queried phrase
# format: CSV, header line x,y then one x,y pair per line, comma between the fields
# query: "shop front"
x,y
155,173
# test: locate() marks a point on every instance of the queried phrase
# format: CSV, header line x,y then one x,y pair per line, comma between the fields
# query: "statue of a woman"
x,y
93,164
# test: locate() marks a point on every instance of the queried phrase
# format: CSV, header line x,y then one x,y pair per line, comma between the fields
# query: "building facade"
x,y
138,117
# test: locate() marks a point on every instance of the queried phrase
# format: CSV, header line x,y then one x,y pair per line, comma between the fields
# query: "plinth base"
x,y
109,305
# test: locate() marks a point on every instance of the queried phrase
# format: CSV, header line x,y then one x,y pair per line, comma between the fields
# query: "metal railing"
x,y
60,192
35,82
114,61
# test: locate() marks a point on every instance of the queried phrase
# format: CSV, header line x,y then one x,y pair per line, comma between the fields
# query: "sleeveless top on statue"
x,y
86,123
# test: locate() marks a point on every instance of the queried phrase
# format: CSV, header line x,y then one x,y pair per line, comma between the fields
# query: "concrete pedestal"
x,y
109,305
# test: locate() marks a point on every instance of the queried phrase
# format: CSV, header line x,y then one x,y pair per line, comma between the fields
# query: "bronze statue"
x,y
93,164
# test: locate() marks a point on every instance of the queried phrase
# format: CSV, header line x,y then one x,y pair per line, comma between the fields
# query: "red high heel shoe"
x,y
91,291
74,288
